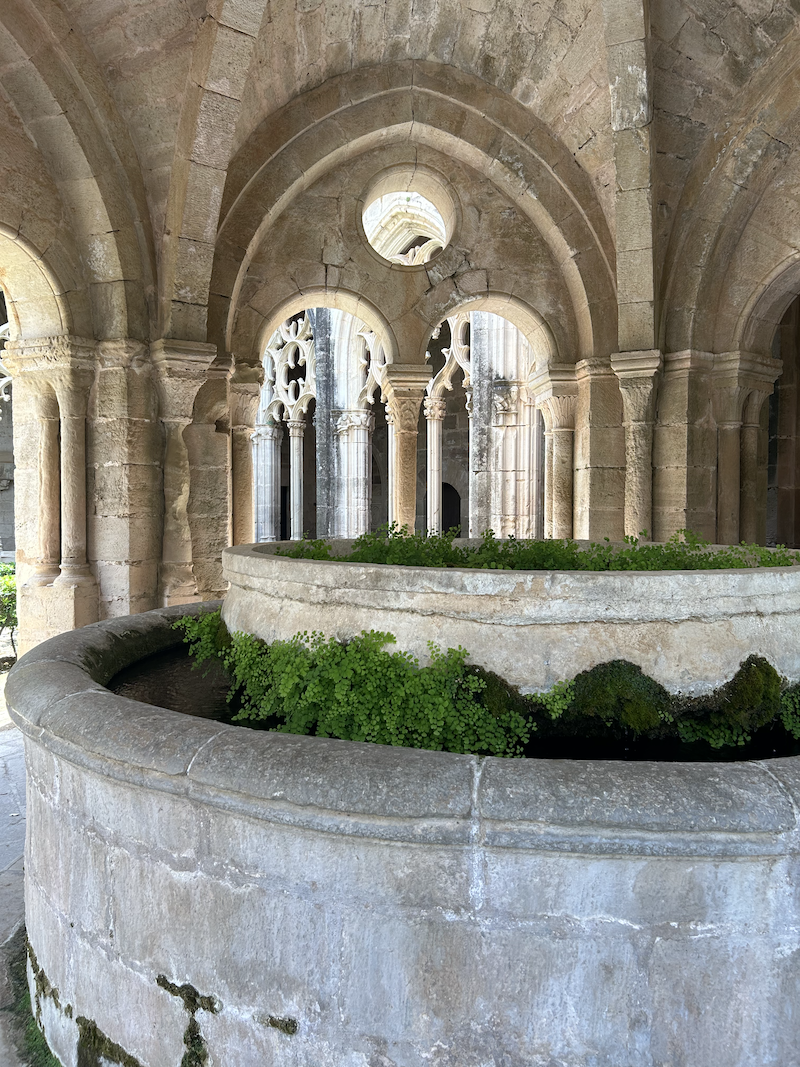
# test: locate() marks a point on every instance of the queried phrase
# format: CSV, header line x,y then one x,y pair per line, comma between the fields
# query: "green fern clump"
x,y
790,711
360,691
731,714
206,634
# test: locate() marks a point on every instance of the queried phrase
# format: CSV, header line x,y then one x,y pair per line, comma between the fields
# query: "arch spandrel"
x,y
495,249
716,263
554,194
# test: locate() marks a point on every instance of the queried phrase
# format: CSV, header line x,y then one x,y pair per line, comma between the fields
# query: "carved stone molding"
x,y
737,375
349,420
637,374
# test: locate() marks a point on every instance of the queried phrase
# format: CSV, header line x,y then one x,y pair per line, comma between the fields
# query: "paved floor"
x,y
12,845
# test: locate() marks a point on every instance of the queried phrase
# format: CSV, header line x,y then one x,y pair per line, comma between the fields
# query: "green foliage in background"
x,y
684,551
8,600
360,690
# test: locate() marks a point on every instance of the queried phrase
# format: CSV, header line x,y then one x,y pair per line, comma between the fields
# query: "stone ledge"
x,y
375,791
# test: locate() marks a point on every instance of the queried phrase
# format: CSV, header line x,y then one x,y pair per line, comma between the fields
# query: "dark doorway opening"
x,y
284,513
451,507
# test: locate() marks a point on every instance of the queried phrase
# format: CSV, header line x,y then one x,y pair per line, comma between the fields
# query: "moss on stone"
x,y
95,1049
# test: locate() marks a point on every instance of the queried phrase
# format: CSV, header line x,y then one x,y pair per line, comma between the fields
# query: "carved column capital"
x,y
735,377
404,411
181,367
297,427
504,402
559,412
270,431
435,408
404,388
555,389
356,419
63,364
637,374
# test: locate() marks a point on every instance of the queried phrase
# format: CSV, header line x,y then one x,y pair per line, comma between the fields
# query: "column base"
x,y
43,576
48,610
176,584
74,574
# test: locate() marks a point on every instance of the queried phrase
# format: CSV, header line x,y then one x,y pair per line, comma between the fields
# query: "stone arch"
x,y
761,314
357,306
422,103
59,94
533,326
734,178
35,300
204,145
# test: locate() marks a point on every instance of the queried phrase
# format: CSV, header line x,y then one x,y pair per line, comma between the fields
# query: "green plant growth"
x,y
8,601
684,551
360,690
30,1040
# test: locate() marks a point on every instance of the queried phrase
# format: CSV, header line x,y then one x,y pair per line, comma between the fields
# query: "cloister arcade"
x,y
534,269
483,437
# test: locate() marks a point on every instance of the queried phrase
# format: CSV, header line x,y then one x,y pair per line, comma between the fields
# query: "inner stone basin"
x,y
689,630
335,903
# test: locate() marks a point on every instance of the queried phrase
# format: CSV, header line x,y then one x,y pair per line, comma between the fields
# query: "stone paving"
x,y
12,845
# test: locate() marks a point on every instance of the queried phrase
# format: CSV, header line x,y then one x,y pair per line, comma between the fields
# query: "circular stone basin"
x,y
283,900
690,630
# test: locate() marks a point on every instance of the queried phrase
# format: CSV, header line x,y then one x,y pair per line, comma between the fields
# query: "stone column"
x,y
562,429
49,496
547,477
124,479
685,448
537,472
435,408
391,517
325,440
524,488
72,398
556,391
503,479
354,479
244,394
60,372
736,375
480,425
638,373
752,509
297,429
181,368
404,388
267,477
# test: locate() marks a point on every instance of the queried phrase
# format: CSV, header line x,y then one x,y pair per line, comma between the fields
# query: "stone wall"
x,y
284,900
690,630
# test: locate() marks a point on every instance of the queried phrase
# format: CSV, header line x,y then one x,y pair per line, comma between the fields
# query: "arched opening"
x,y
781,466
451,508
316,435
485,436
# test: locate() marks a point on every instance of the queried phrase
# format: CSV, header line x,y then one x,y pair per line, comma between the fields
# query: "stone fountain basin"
x,y
689,630
351,905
